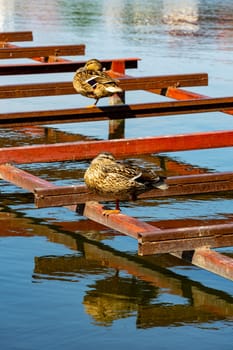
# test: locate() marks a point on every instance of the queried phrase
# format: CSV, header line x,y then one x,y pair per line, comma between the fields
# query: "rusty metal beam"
x,y
120,222
62,67
37,89
22,178
140,110
182,233
42,51
64,88
164,81
178,185
119,147
181,94
136,229
185,239
209,260
16,36
25,180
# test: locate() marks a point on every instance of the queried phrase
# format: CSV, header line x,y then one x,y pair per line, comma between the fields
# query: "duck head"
x,y
93,65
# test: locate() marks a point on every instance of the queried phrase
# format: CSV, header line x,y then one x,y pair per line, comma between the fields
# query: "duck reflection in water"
x,y
117,297
157,297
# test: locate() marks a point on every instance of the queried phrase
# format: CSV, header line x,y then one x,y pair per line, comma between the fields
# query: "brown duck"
x,y
92,81
109,177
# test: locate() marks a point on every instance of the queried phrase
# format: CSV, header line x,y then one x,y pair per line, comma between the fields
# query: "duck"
x,y
92,81
120,180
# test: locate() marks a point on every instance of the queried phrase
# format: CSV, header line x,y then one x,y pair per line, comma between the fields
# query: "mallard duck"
x,y
92,81
109,177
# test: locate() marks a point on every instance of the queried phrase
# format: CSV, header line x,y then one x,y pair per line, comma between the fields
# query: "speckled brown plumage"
x,y
91,81
106,176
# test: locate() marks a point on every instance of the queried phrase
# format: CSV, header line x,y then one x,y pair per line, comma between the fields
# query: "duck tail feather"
x,y
160,183
113,89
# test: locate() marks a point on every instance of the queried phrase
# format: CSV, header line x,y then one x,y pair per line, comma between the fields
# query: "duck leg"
x,y
117,209
94,104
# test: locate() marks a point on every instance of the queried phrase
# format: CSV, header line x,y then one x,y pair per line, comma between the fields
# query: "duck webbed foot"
x,y
94,104
90,106
108,212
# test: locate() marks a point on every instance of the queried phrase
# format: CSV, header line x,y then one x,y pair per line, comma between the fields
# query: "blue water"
x,y
68,283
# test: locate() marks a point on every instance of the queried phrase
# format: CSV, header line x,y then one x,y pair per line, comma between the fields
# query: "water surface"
x,y
68,283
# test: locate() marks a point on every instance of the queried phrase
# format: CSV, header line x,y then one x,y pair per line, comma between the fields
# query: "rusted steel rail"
x,y
211,260
41,51
117,65
16,36
119,147
136,229
185,238
151,239
140,110
22,178
181,94
178,185
127,83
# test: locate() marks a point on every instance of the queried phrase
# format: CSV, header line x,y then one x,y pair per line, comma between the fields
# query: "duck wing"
x,y
120,180
85,82
104,78
129,172
146,176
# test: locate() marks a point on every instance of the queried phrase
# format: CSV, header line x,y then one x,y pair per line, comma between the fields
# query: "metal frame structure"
x,y
191,243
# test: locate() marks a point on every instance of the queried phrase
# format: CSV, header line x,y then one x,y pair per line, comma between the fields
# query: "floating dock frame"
x,y
192,243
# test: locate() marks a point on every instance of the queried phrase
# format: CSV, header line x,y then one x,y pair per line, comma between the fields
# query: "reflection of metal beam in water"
x,y
168,315
12,225
207,303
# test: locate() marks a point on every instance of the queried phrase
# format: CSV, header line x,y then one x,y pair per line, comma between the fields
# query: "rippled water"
x,y
68,283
